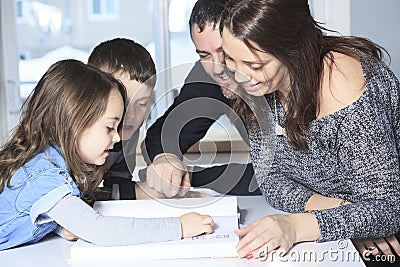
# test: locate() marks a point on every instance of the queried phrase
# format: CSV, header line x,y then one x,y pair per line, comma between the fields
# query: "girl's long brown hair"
x,y
69,98
286,29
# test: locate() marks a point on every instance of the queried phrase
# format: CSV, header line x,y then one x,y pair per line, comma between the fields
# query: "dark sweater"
x,y
353,154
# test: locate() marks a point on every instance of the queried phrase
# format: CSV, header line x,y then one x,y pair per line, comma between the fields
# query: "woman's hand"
x,y
387,246
266,235
276,233
194,224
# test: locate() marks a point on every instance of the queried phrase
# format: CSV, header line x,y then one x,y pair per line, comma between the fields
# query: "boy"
x,y
132,64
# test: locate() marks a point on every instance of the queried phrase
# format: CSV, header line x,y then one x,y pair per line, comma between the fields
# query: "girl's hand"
x,y
194,224
387,246
276,233
271,233
68,235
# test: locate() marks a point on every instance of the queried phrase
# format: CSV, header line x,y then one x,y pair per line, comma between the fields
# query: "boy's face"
x,y
138,102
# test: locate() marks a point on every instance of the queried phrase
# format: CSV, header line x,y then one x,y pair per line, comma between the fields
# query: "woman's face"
x,y
257,72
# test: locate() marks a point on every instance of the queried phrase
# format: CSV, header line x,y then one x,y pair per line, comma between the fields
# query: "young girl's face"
x,y
138,102
96,141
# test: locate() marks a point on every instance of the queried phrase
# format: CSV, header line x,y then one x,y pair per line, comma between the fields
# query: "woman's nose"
x,y
240,77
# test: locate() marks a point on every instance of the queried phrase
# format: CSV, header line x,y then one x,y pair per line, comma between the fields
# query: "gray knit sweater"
x,y
353,154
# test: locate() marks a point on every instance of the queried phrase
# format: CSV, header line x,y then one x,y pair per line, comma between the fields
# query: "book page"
x,y
156,208
221,243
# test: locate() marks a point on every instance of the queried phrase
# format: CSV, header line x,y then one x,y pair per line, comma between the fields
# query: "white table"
x,y
54,251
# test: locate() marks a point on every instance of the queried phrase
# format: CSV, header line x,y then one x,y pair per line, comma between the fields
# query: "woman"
x,y
335,106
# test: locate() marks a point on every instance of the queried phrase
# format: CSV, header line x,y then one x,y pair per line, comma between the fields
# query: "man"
x,y
208,94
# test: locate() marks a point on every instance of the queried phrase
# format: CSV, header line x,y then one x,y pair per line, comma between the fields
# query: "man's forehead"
x,y
208,40
207,26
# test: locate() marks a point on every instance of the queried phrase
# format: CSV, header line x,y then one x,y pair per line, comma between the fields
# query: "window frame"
x,y
105,14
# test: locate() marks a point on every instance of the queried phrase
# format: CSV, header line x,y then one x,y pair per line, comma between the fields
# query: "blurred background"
x,y
36,33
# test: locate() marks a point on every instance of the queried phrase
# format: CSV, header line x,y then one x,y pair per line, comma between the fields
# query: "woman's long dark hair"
x,y
286,29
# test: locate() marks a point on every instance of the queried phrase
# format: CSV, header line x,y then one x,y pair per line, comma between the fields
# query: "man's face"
x,y
208,45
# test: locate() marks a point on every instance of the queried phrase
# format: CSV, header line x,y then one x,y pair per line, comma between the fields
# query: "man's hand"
x,y
168,175
143,191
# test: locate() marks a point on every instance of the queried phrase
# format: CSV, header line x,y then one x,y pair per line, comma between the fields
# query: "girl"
x,y
53,161
335,107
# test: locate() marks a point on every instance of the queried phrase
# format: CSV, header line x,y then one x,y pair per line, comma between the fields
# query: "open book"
x,y
221,243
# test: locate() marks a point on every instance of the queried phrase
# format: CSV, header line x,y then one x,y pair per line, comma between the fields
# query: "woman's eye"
x,y
256,68
110,129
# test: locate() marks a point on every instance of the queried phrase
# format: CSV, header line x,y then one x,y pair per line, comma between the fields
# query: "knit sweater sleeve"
x,y
375,182
279,191
369,157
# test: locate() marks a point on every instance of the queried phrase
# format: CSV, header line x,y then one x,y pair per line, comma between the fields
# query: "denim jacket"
x,y
35,188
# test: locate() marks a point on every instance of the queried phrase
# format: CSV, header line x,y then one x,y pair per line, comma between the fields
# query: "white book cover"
x,y
221,243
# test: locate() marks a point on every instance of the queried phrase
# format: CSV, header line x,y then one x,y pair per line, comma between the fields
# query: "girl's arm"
x,y
80,219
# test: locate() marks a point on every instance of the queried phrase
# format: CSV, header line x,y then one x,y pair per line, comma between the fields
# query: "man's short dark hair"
x,y
206,11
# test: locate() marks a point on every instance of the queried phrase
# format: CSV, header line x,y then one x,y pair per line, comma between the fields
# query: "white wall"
x,y
334,14
380,22
10,102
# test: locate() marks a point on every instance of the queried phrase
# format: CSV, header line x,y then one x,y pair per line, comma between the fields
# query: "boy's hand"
x,y
194,224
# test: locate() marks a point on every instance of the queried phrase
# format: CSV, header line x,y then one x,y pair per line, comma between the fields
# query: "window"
x,y
43,32
19,11
103,9
38,33
22,10
47,31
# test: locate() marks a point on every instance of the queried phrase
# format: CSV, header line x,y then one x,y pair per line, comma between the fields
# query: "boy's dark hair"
x,y
206,11
124,55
